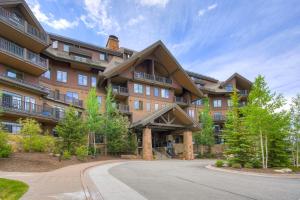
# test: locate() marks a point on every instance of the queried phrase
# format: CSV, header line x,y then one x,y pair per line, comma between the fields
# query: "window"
x,y
217,103
138,88
59,112
148,107
138,105
71,96
191,113
55,44
66,48
164,93
82,80
47,74
13,128
156,107
229,87
80,58
156,92
229,102
99,98
198,102
14,74
93,81
29,104
148,90
217,116
99,139
102,56
61,76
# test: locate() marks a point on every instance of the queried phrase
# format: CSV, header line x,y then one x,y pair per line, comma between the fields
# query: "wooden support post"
x,y
147,144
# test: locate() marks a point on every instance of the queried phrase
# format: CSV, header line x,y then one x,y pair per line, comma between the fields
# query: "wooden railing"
x,y
243,92
123,108
18,106
64,98
22,24
119,90
219,117
156,78
180,100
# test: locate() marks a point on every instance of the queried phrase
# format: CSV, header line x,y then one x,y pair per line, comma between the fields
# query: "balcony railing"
x,y
65,99
21,24
243,92
219,117
23,82
22,53
181,100
28,108
153,78
120,90
123,108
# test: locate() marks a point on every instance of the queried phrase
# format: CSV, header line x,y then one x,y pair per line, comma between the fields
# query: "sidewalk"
x,y
65,183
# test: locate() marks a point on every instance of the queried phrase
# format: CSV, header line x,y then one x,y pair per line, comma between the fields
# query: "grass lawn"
x,y
11,189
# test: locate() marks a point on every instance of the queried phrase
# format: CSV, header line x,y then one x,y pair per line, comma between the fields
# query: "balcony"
x,y
16,82
27,109
63,98
20,31
76,60
219,118
181,101
152,78
243,93
120,91
123,108
18,57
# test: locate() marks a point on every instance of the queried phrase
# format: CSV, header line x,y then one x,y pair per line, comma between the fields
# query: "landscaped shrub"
x,y
230,162
248,165
66,155
81,153
30,131
5,148
219,163
256,163
49,142
236,165
15,141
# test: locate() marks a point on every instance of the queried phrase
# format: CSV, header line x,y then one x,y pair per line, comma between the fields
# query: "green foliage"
x,y
30,127
206,135
5,148
82,153
66,155
72,130
248,165
32,140
12,189
219,163
236,165
239,143
295,129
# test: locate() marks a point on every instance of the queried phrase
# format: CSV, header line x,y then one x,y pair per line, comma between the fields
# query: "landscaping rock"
x,y
284,170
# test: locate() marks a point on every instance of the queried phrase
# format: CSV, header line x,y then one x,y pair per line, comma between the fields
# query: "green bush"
x,y
236,165
66,155
295,169
219,163
248,165
81,153
5,148
230,162
256,163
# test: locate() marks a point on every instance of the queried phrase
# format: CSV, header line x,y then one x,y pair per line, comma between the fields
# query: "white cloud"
x,y
58,24
157,3
136,20
201,12
97,16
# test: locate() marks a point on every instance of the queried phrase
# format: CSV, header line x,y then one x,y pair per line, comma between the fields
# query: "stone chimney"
x,y
113,43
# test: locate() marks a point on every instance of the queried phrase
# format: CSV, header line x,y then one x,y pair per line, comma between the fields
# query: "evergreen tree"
x,y
295,128
71,129
94,120
238,141
260,113
206,135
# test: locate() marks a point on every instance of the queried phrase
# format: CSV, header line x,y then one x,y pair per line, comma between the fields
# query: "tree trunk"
x,y
105,147
297,151
262,149
266,146
94,140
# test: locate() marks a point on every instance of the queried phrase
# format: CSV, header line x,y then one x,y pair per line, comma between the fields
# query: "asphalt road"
x,y
185,180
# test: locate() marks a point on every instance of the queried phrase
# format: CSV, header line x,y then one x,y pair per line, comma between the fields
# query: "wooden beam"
x,y
169,125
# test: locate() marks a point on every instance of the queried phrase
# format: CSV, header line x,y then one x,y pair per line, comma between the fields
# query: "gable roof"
x,y
242,80
201,76
25,9
165,56
178,112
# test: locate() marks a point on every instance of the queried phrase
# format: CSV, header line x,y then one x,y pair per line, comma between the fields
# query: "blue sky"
x,y
215,38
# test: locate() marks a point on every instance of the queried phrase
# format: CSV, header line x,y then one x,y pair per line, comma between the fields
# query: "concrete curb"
x,y
290,176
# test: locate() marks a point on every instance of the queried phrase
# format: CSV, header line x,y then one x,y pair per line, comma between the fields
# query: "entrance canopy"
x,y
169,118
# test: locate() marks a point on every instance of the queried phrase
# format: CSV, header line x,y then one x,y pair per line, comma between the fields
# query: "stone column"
x,y
147,144
188,145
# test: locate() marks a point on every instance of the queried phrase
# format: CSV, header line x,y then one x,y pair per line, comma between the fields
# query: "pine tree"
x,y
237,141
295,128
206,135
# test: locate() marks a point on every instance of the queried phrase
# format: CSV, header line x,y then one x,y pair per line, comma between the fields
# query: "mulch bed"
x,y
259,170
40,162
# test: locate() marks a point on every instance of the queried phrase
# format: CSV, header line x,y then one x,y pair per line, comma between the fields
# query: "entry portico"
x,y
170,124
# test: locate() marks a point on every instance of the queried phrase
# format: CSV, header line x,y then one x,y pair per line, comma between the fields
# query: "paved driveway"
x,y
185,180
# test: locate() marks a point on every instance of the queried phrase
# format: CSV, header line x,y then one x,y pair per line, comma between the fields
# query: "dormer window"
x,y
102,56
55,44
229,87
66,48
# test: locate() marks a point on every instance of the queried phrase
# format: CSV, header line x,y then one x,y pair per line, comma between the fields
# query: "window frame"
x,y
62,76
95,79
84,83
148,90
217,105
